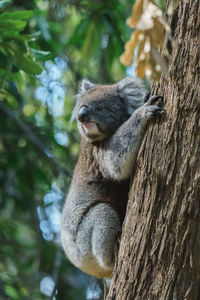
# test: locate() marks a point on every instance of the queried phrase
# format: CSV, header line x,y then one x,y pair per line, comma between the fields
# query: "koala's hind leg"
x,y
105,237
103,224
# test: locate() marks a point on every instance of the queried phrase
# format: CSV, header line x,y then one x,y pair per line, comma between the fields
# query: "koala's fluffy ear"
x,y
132,92
84,86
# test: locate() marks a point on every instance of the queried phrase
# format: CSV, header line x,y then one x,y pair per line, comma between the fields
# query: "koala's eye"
x,y
99,108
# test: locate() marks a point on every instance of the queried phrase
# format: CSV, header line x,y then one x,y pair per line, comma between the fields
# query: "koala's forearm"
x,y
121,150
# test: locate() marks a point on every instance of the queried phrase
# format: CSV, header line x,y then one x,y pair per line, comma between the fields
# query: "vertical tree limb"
x,y
159,255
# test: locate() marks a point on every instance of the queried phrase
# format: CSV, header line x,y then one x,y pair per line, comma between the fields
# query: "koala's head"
x,y
101,109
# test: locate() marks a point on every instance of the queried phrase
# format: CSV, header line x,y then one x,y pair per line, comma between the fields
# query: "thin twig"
x,y
57,264
104,290
33,138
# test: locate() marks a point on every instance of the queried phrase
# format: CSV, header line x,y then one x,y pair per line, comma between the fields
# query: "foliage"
x,y
15,55
46,47
148,24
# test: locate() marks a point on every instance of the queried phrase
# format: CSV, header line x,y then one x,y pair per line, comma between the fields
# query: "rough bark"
x,y
159,255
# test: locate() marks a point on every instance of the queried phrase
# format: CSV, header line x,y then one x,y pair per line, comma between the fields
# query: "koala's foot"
x,y
96,244
105,235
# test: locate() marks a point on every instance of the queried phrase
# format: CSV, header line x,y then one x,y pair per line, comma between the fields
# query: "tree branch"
x,y
33,138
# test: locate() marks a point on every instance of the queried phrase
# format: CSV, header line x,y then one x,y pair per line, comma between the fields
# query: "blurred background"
x,y
46,48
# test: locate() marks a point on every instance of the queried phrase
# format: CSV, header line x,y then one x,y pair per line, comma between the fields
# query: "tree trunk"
x,y
159,255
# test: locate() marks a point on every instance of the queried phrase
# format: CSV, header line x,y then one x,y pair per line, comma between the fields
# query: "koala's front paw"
x,y
148,110
152,100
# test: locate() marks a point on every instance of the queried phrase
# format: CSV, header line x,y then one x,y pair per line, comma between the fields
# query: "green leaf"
x,y
24,291
26,64
22,60
92,41
20,45
11,292
19,81
3,49
41,55
8,25
17,15
79,34
109,53
3,94
15,36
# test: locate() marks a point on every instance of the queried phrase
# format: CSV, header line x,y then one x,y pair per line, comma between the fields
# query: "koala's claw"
x,y
151,110
146,97
153,99
159,109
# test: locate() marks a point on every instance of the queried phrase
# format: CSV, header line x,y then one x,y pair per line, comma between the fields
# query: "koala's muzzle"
x,y
83,115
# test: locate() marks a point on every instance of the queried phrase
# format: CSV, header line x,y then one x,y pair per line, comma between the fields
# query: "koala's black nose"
x,y
83,115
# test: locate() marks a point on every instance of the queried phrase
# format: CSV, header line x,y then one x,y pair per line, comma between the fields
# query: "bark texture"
x,y
159,255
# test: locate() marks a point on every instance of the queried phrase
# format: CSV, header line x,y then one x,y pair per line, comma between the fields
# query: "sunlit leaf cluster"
x,y
146,40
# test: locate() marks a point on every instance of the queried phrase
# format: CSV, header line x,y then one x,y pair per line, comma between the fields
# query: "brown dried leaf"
x,y
136,14
147,18
134,37
141,52
150,11
157,33
127,56
126,59
140,69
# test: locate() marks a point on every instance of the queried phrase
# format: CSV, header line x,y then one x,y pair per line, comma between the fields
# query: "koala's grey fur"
x,y
96,203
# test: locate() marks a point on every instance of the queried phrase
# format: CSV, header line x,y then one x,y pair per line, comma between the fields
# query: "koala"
x,y
112,121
